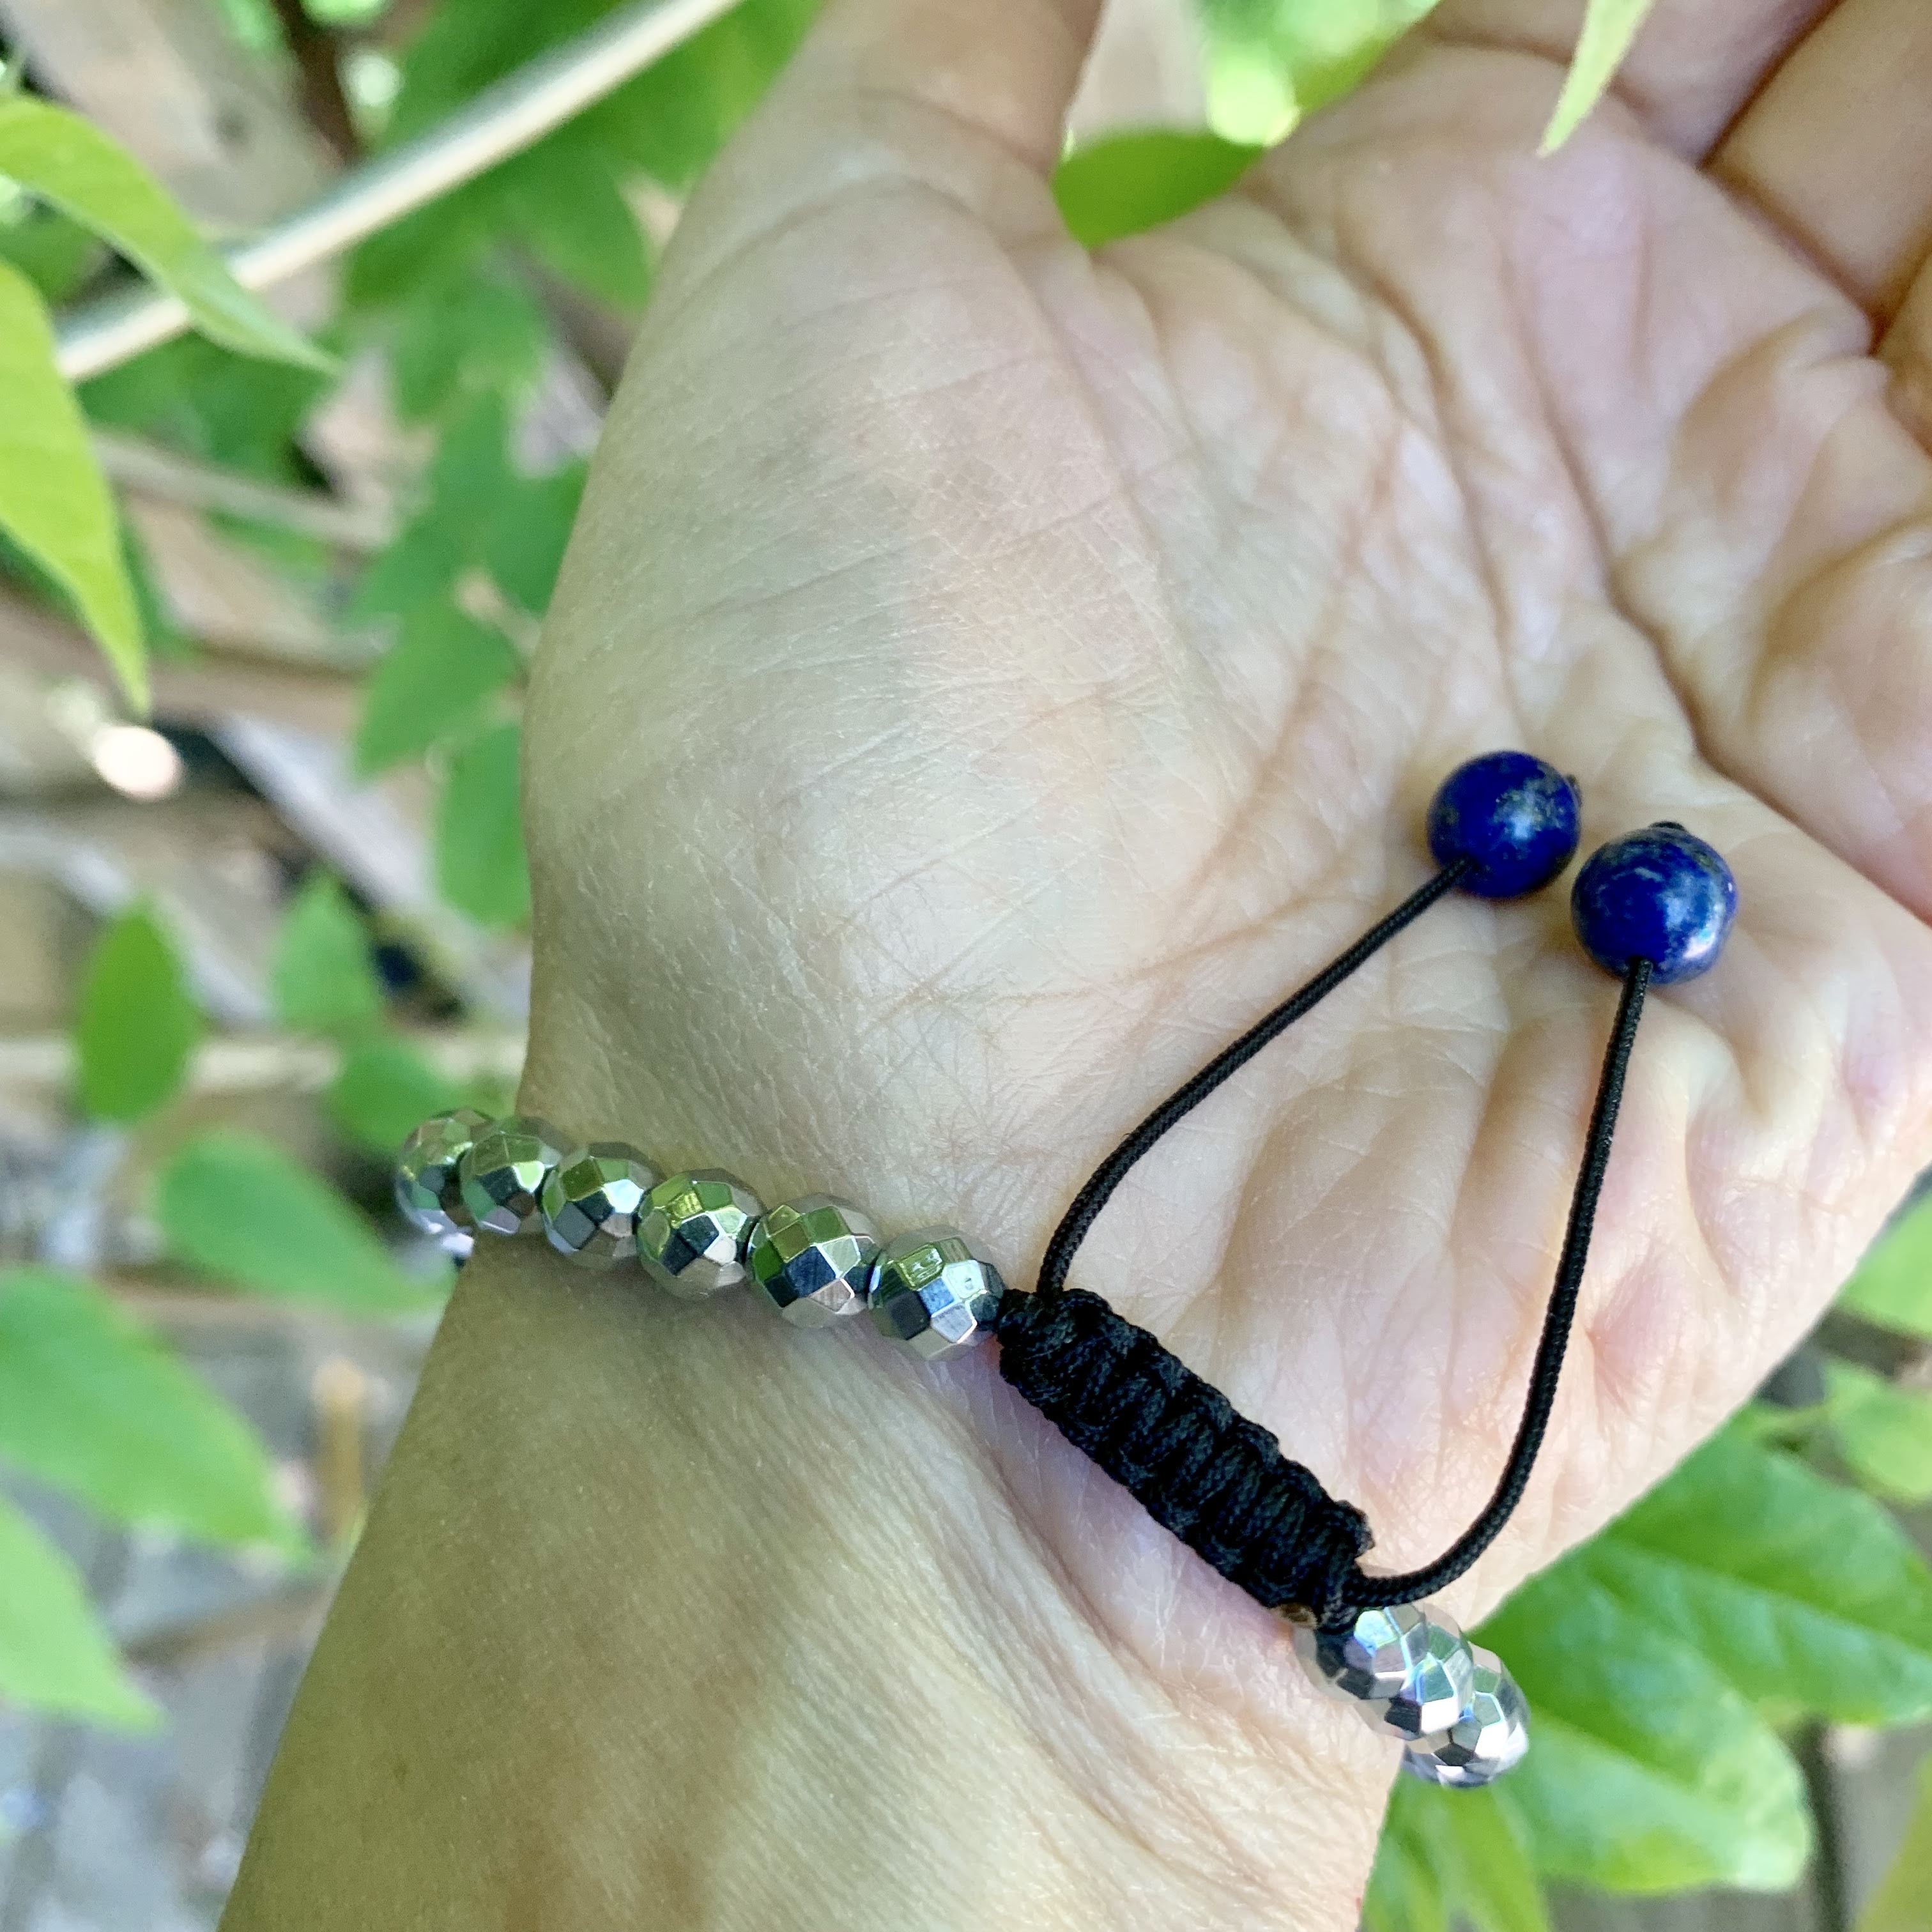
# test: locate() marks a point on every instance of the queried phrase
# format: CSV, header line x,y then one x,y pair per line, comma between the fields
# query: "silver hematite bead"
x,y
427,1190
1408,1668
1487,1740
933,1295
503,1173
694,1229
813,1258
591,1202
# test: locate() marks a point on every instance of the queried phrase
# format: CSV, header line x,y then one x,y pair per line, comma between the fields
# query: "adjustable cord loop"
x,y
1219,1481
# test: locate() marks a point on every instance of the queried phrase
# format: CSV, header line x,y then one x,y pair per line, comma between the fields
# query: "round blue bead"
x,y
1512,816
1660,895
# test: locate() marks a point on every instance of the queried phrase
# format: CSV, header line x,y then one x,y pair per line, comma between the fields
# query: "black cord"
x,y
1112,1171
1372,1592
1216,1480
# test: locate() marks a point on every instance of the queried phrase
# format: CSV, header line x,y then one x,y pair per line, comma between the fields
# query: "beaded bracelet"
x,y
1652,908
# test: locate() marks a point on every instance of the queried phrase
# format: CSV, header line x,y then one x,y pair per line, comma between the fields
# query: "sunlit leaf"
x,y
54,502
93,1404
429,684
55,1655
1610,29
1802,1593
1473,1845
1883,1432
480,866
1127,183
138,1026
1647,1771
323,977
68,162
241,1211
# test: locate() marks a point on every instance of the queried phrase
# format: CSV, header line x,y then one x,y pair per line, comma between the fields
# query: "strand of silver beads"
x,y
1408,1670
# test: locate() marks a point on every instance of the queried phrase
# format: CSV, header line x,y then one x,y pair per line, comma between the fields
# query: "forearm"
x,y
673,1616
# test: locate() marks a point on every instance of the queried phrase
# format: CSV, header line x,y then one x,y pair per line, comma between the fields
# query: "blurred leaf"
x,y
475,335
56,255
1903,1901
420,568
93,1404
565,202
1404,1893
68,162
138,1026
55,1655
1127,183
1648,1772
241,1210
199,399
1892,1286
1471,1843
385,1091
1799,1591
429,684
480,867
53,500
323,977
1883,1432
524,543
1610,28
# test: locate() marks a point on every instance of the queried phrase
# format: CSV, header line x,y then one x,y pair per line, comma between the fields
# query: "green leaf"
x,y
1610,28
480,867
138,1026
1130,182
68,163
53,500
431,685
55,1655
471,336
1473,1845
563,197
93,1404
1800,1591
241,1211
1903,1901
1892,1285
56,255
1883,1432
524,541
384,1091
1648,1771
322,976
1404,1893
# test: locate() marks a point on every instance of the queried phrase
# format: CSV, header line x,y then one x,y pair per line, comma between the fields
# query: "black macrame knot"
x,y
1217,1480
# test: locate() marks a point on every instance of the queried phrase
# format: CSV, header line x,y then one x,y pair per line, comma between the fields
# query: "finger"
x,y
1838,149
1908,352
964,101
1694,65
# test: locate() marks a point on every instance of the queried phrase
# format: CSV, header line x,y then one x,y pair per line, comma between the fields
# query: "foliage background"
x,y
1682,1666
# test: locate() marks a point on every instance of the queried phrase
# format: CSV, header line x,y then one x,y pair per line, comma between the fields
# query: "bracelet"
x,y
1652,908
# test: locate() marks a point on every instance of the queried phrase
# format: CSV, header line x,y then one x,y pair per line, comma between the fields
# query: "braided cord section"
x,y
1175,1443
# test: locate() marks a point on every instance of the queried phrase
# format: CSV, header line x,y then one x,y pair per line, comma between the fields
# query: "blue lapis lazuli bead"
x,y
1512,816
1661,895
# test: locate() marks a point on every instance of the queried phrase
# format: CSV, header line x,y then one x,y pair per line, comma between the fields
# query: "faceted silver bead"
x,y
427,1190
1487,1740
933,1295
592,1201
694,1230
503,1175
1408,1668
813,1258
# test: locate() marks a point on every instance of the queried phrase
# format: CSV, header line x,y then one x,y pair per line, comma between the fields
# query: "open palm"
x,y
987,677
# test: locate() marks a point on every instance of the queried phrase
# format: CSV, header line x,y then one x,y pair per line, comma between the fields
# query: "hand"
x,y
986,679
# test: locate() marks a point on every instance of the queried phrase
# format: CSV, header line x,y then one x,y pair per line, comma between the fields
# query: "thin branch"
x,y
503,120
